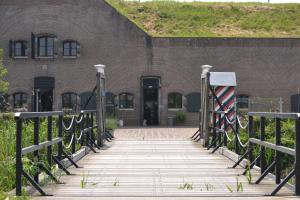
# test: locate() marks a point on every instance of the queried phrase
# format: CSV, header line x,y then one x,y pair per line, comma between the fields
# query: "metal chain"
x,y
228,121
229,139
70,143
70,126
243,145
240,124
79,138
79,121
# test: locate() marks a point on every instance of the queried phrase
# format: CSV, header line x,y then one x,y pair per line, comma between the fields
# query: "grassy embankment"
x,y
198,19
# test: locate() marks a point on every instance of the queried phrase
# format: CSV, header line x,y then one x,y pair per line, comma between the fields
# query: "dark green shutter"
x,y
33,50
11,48
295,103
193,102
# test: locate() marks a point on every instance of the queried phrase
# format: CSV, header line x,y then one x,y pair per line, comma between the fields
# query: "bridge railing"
x,y
55,148
221,126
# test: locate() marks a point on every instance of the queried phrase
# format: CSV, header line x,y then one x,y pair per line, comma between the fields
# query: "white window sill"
x,y
175,109
126,109
69,57
20,57
45,57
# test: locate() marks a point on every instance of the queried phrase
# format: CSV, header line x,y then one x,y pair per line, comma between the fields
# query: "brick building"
x,y
51,47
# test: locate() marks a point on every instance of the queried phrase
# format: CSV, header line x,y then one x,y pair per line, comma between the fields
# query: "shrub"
x,y
180,117
111,123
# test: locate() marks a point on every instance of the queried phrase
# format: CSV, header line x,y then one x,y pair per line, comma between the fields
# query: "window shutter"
x,y
55,47
33,46
117,101
183,101
26,48
78,49
11,49
193,102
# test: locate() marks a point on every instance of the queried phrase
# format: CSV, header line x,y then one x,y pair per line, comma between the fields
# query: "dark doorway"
x,y
43,98
150,101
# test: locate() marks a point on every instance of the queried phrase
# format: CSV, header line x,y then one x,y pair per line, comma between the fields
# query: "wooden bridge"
x,y
158,163
161,163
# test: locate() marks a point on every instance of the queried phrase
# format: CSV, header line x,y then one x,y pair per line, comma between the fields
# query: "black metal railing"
x,y
55,148
220,138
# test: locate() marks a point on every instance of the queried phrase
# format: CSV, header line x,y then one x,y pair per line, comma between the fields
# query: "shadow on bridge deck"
x,y
158,163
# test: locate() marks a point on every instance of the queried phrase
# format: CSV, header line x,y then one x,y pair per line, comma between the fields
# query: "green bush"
x,y
111,123
180,117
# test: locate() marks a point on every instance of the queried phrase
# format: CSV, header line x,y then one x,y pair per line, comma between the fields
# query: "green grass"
x,y
198,19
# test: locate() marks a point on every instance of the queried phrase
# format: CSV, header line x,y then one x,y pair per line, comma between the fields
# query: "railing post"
x,y
82,129
220,127
49,149
236,141
277,153
263,163
60,131
297,158
214,127
74,139
87,124
225,129
19,165
92,125
100,133
250,135
36,142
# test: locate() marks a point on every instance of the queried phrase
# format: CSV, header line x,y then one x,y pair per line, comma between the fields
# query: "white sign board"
x,y
222,79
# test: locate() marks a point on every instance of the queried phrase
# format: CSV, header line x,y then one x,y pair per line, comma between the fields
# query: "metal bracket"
x,y
61,166
34,183
70,159
252,164
265,173
284,181
242,158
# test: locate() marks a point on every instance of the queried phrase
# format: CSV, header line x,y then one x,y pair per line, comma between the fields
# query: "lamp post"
x,y
99,105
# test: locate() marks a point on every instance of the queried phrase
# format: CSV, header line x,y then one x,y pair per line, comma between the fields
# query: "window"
x,y
175,100
20,49
45,46
69,100
125,101
242,101
70,49
20,100
193,102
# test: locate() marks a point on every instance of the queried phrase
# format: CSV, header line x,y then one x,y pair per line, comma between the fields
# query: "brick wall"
x,y
264,67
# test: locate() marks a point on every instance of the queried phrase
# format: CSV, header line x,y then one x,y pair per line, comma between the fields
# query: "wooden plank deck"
x,y
155,163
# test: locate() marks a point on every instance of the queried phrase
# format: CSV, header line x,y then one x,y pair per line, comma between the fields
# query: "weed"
x,y
83,181
209,187
239,185
186,186
229,188
116,182
248,173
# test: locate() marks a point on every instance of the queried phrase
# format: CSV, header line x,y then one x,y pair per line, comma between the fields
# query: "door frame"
x,y
43,83
142,97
